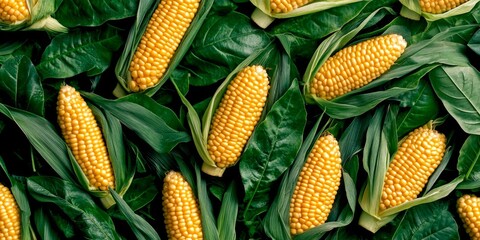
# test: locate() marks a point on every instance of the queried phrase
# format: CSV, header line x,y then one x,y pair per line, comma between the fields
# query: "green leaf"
x,y
456,87
20,85
44,225
154,123
469,162
474,43
213,56
80,51
421,106
428,221
78,205
271,149
17,46
227,216
140,227
94,13
141,192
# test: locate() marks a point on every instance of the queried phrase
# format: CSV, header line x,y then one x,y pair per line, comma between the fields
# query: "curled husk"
x,y
412,9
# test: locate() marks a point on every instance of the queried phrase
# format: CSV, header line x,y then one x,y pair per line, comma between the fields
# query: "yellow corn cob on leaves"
x,y
439,6
468,208
180,208
12,11
9,215
163,34
356,66
416,159
317,186
237,114
284,6
84,137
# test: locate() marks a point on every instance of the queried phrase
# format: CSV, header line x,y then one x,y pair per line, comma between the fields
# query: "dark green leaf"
x,y
469,161
457,87
271,149
422,106
44,225
72,13
78,205
20,85
474,43
16,47
80,51
227,217
141,192
212,56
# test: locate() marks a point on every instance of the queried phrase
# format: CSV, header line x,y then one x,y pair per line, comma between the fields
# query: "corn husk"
x,y
263,15
411,9
40,18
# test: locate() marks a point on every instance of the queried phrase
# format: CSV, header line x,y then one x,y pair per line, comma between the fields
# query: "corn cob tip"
x,y
84,137
180,208
417,157
10,223
237,115
317,186
439,6
468,208
357,65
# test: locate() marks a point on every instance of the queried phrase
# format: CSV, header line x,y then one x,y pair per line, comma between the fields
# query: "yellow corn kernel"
x,y
416,159
84,137
356,66
468,208
439,6
9,215
317,186
180,208
12,11
285,6
237,115
163,34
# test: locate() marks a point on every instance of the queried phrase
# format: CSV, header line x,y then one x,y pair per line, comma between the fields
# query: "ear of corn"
x,y
12,11
180,208
415,160
164,32
10,222
356,66
237,115
468,208
439,6
284,6
317,186
84,137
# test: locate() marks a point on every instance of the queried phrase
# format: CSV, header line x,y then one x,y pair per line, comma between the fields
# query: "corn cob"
x,y
84,137
12,11
356,66
317,186
180,208
415,160
236,116
468,207
439,6
164,32
9,215
284,6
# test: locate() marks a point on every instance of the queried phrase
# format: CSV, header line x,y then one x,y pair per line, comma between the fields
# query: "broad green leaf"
x,y
212,56
21,86
91,220
428,221
140,227
44,225
469,162
155,124
456,86
474,43
271,149
227,216
141,192
80,51
17,46
421,106
94,13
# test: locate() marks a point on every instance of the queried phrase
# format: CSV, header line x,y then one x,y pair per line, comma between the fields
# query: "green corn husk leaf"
x,y
227,217
263,15
376,159
19,193
411,9
40,18
200,128
144,13
417,60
